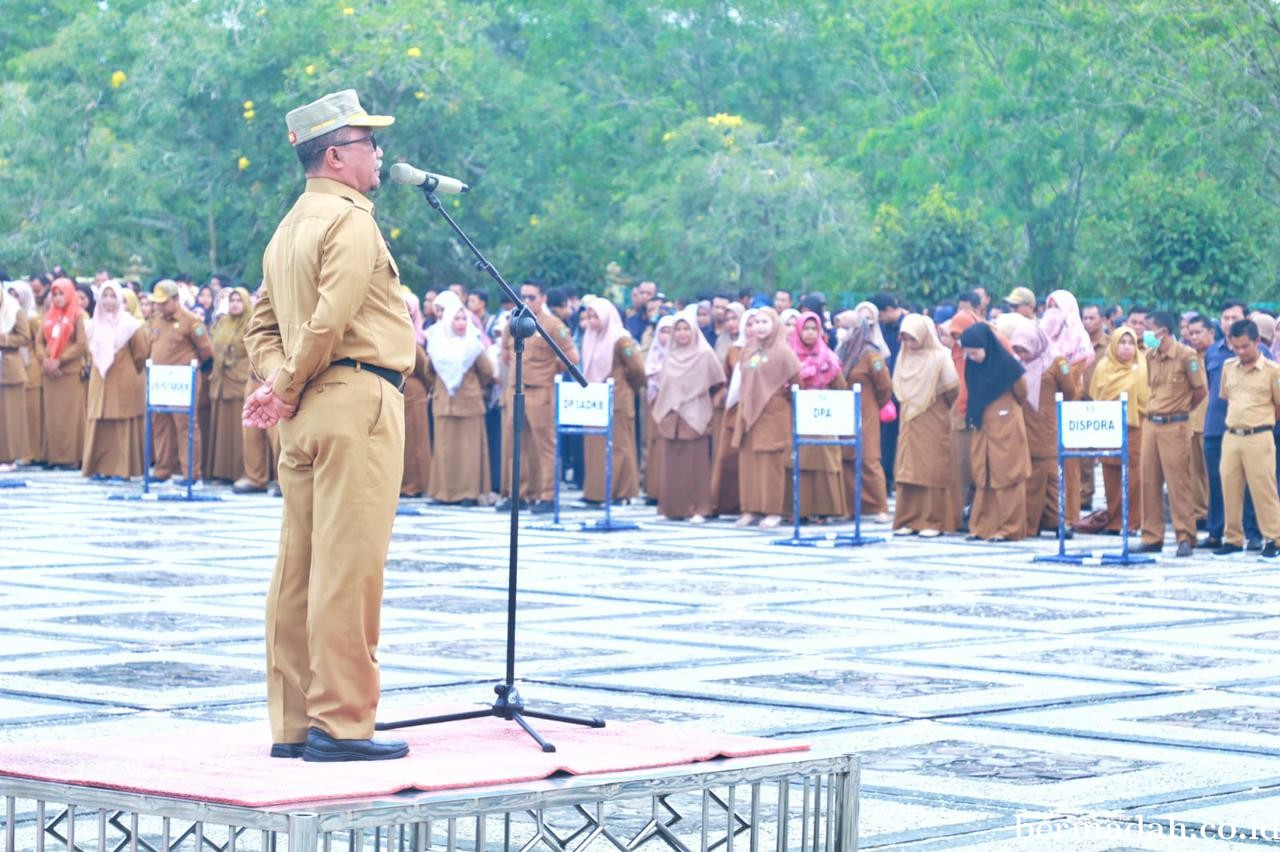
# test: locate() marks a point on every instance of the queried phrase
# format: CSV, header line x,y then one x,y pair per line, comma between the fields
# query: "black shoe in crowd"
x,y
1269,552
1149,548
542,507
505,505
1184,549
323,748
1214,541
1227,550
1254,545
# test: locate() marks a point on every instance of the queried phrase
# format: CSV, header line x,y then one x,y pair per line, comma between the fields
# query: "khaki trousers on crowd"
x,y
537,445
1199,478
1249,459
261,451
1166,458
342,457
169,443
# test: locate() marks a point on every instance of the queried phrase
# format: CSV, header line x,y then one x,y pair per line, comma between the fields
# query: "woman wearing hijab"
x,y
34,405
653,372
725,485
1047,375
118,348
608,351
1064,326
15,342
460,373
224,448
862,361
418,457
999,455
682,413
61,349
925,384
762,432
822,492
1122,370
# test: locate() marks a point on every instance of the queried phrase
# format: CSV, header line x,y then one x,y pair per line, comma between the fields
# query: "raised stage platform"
x,y
802,801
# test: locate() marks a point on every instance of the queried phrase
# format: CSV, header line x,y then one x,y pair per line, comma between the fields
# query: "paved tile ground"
x,y
981,688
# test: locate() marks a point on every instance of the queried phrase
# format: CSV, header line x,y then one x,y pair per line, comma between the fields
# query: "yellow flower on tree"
x,y
414,52
395,233
348,11
668,136
249,114
118,78
248,105
310,69
534,220
722,119
243,163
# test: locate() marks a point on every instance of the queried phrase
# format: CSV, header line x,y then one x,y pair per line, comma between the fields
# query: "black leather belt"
x,y
396,379
1244,433
1168,418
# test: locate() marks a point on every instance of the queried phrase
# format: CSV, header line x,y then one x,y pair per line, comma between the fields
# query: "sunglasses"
x,y
372,139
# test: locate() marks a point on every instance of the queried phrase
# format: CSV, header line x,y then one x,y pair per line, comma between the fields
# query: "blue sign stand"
x,y
190,410
1124,557
856,539
608,524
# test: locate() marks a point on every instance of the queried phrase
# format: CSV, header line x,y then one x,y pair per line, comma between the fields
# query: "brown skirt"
x,y
1042,497
724,469
686,475
64,413
999,512
417,444
14,443
626,478
762,481
921,508
35,424
821,494
653,464
875,495
460,468
114,448
224,445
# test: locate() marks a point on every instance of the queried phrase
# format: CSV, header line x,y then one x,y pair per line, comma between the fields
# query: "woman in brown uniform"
x,y
724,461
822,492
15,342
33,406
225,444
926,384
1123,370
416,479
460,373
1047,375
61,348
682,414
609,352
118,347
999,456
863,362
762,432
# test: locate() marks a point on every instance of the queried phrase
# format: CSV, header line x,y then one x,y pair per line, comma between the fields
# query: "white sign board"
x,y
170,385
587,406
825,412
1092,425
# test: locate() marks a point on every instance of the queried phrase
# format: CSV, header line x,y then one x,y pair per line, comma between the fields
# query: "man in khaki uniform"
x,y
1251,386
178,337
1022,301
1200,338
538,440
1177,386
1091,317
333,340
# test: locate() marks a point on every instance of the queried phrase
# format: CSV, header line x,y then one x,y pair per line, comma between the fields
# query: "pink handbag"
x,y
889,412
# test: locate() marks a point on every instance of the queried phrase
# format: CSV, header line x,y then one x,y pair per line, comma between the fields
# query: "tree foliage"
x,y
812,144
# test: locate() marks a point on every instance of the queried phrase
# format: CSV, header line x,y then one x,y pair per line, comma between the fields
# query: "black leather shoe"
x,y
1211,541
1149,548
542,507
1269,552
322,748
1227,549
1184,549
287,749
243,486
1254,545
505,505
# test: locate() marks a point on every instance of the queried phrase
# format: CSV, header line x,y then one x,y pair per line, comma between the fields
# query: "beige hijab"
x,y
689,373
766,366
922,375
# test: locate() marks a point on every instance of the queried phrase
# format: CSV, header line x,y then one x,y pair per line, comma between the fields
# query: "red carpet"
x,y
229,763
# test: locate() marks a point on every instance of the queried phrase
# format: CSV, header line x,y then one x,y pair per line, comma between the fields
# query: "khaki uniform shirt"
x,y
1172,376
1252,393
180,340
1198,413
541,366
331,290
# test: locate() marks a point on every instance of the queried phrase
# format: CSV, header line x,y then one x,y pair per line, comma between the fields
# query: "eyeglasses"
x,y
371,139
530,297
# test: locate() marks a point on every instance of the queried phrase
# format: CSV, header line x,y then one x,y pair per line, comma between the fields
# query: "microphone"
x,y
408,175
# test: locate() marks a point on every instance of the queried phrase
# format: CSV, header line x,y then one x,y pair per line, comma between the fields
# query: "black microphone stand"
x,y
523,324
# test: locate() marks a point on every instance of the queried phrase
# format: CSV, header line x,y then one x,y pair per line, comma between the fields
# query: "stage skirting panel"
x,y
802,802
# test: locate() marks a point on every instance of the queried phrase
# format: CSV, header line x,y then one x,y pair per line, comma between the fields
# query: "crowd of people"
x,y
959,422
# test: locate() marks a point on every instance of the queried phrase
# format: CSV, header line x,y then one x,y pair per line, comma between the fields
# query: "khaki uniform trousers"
x,y
1249,459
1166,458
1088,482
342,456
537,445
1199,478
169,443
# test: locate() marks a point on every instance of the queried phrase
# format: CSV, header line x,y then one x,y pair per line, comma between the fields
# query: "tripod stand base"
x,y
509,706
